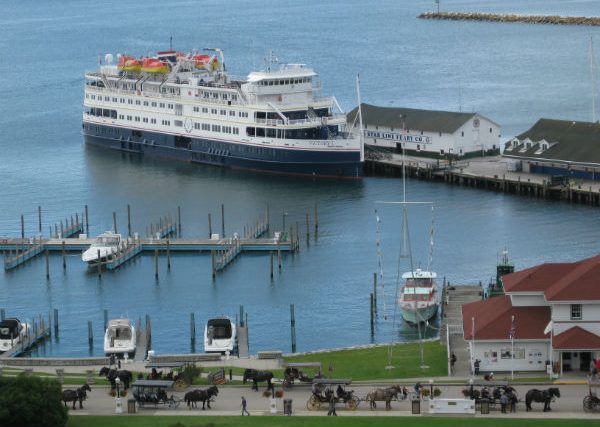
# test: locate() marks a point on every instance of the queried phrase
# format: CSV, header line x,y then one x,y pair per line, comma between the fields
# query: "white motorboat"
x,y
120,337
12,332
104,245
419,299
220,336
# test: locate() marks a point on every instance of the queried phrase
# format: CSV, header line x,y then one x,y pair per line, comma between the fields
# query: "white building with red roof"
x,y
552,312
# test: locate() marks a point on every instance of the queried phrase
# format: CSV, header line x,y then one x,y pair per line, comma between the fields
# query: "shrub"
x,y
266,393
437,392
279,394
425,392
31,401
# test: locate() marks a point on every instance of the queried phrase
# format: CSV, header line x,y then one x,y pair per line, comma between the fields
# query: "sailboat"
x,y
418,298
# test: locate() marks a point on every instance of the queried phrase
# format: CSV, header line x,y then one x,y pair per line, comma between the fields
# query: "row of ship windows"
x,y
284,81
215,111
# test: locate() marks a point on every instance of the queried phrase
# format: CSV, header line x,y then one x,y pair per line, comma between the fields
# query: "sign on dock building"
x,y
427,133
558,148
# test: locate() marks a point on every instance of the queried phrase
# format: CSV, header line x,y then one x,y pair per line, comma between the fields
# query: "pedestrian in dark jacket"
x,y
332,405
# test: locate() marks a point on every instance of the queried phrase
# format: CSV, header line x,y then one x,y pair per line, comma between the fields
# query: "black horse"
x,y
76,395
258,376
193,397
111,375
545,396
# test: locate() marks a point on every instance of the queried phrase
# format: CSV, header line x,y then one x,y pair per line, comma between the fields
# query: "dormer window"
x,y
576,312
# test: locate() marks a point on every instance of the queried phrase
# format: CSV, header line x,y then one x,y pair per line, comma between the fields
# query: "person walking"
x,y
332,405
503,402
244,407
452,362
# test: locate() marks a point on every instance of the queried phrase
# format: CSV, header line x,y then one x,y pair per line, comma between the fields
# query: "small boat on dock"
x,y
12,332
104,245
220,336
419,297
120,337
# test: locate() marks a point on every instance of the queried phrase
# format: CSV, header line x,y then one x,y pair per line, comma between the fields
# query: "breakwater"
x,y
524,19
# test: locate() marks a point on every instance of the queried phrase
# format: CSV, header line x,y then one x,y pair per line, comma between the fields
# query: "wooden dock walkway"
x,y
451,331
243,347
39,332
143,339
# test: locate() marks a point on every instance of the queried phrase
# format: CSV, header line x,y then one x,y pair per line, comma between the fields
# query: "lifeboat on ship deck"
x,y
206,62
154,66
129,63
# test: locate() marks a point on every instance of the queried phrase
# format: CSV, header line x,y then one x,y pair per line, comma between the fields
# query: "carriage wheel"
x,y
180,385
589,404
313,404
352,403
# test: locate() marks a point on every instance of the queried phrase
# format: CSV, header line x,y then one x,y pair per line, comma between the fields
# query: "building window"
x,y
575,311
462,134
490,130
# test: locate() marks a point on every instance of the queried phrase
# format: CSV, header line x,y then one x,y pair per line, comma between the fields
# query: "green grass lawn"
x,y
370,363
277,421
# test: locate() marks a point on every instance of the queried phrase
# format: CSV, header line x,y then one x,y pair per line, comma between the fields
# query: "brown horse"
x,y
383,395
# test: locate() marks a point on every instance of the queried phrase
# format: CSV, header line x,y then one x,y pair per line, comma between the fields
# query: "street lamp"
x,y
431,388
471,388
118,405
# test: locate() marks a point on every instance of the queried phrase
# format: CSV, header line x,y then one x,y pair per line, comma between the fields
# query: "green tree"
x,y
31,401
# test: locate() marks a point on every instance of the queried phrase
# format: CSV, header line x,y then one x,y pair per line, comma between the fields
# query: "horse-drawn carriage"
x,y
154,392
297,371
175,373
591,402
323,389
491,393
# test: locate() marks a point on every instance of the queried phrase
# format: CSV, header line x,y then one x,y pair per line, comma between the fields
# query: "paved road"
x,y
228,403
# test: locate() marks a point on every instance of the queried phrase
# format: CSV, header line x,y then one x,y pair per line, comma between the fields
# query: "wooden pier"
x,y
38,332
489,173
523,19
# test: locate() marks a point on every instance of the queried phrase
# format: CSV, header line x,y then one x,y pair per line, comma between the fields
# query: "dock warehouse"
x,y
428,133
558,148
552,312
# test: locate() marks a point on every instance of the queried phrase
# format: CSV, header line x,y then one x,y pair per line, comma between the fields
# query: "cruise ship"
x,y
186,106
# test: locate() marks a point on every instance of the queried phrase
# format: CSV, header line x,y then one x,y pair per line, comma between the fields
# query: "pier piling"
x,y
268,219
293,327
222,220
99,265
179,221
115,222
271,264
90,334
168,255
40,219
307,230
375,293
62,229
192,329
213,263
105,318
56,322
316,221
128,220
47,266
87,222
22,227
156,264
209,226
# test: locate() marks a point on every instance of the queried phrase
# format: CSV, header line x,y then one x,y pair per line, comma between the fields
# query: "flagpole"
x,y
472,344
512,350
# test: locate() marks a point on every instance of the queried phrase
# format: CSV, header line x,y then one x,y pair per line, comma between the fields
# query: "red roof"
x,y
577,281
576,338
493,320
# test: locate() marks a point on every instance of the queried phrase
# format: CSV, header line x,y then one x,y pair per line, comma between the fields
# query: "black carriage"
x,y
490,393
298,371
154,393
591,402
323,389
175,373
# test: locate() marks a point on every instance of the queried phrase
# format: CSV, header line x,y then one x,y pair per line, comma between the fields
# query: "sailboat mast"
x,y
593,75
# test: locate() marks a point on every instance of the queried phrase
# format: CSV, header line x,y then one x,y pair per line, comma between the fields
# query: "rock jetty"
x,y
525,19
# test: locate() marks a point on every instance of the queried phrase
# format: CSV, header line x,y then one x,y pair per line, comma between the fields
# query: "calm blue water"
x,y
513,74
